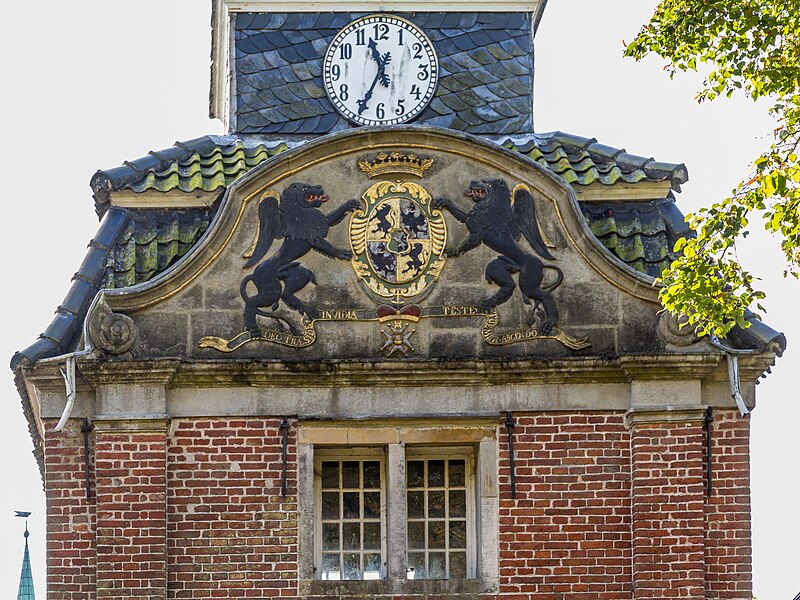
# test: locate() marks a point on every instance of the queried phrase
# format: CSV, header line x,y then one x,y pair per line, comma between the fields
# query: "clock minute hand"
x,y
379,76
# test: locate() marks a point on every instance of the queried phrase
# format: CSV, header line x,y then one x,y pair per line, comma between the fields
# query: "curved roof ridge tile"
x,y
212,162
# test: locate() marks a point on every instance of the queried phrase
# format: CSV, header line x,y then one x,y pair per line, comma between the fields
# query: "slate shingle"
x,y
274,52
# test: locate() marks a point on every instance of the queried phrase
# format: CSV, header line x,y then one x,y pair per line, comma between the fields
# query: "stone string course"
x,y
601,511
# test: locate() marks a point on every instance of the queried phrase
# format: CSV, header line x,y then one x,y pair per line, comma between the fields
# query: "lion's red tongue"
x,y
315,198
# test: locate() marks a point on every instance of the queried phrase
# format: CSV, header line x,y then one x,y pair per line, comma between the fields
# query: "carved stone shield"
x,y
398,241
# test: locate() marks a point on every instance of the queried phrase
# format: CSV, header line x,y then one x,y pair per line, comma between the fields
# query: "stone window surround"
x,y
360,453
479,434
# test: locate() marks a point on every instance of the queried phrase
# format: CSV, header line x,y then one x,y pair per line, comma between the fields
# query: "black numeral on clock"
x,y
401,109
417,51
423,74
344,92
381,31
380,111
336,71
346,52
399,37
416,91
360,37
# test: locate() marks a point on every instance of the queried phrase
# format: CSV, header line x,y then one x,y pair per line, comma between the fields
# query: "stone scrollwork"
x,y
111,332
675,330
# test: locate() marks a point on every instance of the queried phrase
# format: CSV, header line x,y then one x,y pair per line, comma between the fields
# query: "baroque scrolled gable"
x,y
383,339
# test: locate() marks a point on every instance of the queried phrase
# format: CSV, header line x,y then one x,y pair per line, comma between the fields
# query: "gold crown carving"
x,y
395,162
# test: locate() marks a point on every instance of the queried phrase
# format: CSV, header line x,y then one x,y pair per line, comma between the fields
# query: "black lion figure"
x,y
498,220
298,220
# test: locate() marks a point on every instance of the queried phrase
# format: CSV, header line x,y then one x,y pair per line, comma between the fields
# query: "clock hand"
x,y
373,47
379,76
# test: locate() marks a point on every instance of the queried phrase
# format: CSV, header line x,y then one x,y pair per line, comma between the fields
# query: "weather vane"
x,y
25,591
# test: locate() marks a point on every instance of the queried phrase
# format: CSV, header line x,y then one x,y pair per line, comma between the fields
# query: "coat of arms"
x,y
398,241
398,249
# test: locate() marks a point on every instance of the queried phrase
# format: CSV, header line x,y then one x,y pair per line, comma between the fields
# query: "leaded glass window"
x,y
439,510
350,515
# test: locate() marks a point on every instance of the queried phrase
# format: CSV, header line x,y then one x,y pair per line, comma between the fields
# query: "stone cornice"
x,y
227,373
664,414
155,423
105,372
669,366
232,373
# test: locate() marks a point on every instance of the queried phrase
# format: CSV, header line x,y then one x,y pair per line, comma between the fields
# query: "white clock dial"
x,y
380,70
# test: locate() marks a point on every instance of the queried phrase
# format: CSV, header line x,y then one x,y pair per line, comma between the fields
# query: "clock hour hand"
x,y
379,76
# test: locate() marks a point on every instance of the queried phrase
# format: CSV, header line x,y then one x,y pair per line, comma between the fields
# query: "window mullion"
x,y
396,543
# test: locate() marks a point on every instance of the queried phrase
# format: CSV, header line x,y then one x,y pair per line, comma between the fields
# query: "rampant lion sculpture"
x,y
498,220
296,218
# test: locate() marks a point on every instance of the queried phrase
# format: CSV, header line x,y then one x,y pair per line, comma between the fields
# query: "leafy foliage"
x,y
752,48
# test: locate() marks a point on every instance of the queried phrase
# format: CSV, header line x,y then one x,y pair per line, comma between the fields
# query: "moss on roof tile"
x,y
213,163
152,242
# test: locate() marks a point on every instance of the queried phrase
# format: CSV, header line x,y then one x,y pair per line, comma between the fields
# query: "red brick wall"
x,y
131,514
728,553
568,532
70,516
231,534
667,509
601,512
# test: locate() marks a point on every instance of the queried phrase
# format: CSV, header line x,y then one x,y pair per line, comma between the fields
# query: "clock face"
x,y
380,70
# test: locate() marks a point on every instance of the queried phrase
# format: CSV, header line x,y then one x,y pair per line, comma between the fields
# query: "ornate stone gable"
x,y
405,242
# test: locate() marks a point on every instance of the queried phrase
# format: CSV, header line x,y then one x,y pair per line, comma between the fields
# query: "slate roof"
x,y
485,75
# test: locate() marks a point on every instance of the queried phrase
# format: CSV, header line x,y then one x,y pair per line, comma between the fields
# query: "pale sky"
x,y
90,84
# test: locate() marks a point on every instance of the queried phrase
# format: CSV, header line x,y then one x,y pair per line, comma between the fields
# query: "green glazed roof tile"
x,y
152,242
641,234
212,163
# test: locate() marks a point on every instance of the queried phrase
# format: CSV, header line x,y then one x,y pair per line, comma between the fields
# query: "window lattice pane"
x,y
372,505
372,475
330,475
352,527
436,502
416,473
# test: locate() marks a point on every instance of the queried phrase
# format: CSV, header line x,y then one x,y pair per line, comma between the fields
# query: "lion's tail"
x,y
243,287
559,278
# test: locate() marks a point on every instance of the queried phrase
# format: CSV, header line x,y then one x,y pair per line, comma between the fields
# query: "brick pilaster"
x,y
729,555
70,515
130,469
667,504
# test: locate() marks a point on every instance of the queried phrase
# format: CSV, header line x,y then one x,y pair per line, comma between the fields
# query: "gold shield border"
x,y
359,223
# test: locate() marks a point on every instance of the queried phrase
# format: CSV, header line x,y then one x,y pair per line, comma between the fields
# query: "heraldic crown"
x,y
395,163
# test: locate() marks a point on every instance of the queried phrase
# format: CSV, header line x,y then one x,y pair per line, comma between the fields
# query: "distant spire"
x,y
26,577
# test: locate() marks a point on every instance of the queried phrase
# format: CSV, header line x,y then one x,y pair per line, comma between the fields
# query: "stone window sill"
x,y
392,587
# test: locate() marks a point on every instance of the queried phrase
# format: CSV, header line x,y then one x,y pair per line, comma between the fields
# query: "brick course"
x,y
70,515
667,509
231,534
567,532
601,511
728,551
130,469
